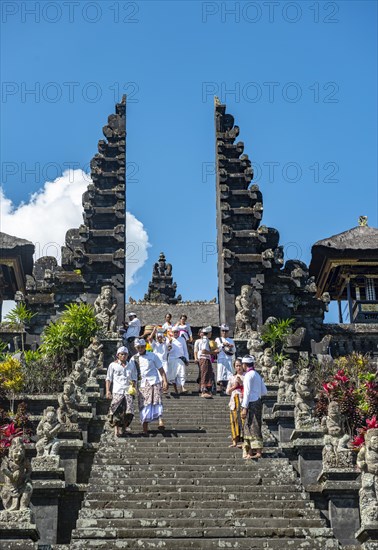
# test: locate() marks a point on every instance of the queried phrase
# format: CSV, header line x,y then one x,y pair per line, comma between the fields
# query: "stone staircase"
x,y
185,488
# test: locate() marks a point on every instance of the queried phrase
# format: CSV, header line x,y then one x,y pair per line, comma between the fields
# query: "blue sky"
x,y
299,77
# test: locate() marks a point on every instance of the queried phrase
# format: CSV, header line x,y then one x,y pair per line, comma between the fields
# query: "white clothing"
x,y
160,349
224,368
149,364
202,344
224,361
222,344
176,371
133,329
121,376
254,388
149,413
167,326
178,348
185,331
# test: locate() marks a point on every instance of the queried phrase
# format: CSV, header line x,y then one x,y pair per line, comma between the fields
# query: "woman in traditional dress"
x,y
226,352
123,377
150,388
235,390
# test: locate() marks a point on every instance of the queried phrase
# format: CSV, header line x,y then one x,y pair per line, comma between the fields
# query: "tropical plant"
x,y
359,439
3,350
275,333
11,378
14,425
41,374
353,383
71,333
18,318
81,324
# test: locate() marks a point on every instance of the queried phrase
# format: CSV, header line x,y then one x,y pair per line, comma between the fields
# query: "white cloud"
x,y
57,207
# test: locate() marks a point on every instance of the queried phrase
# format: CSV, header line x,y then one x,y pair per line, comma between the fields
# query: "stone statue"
x,y
286,390
311,285
367,461
97,348
274,373
79,379
266,362
68,405
336,451
47,430
246,313
304,401
255,344
17,488
105,307
90,362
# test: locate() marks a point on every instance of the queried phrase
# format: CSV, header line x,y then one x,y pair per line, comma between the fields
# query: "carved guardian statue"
x,y
17,488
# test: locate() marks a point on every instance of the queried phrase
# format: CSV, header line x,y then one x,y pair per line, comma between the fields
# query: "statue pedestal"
x,y
241,347
283,414
340,487
69,451
48,486
18,529
309,447
368,536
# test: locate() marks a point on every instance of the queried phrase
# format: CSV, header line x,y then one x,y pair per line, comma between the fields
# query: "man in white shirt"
x,y
225,357
254,389
148,365
178,358
123,378
160,346
132,331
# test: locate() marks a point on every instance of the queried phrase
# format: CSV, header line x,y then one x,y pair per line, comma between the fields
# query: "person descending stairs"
x,y
186,488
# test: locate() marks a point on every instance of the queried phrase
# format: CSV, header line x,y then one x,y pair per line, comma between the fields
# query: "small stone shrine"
x,y
162,288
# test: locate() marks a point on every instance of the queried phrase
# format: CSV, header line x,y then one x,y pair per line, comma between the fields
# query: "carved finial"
x,y
363,221
217,101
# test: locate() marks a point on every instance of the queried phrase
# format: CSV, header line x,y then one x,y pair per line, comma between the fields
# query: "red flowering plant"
x,y
352,382
12,426
359,439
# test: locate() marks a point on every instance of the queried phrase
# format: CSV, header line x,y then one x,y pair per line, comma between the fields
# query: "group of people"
x,y
159,359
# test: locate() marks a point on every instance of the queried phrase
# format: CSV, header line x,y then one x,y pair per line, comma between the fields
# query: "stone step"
x,y
205,483
152,471
210,544
196,493
197,523
178,462
301,510
295,501
200,532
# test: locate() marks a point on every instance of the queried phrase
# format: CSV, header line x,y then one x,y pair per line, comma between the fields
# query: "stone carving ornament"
x,y
17,488
286,390
68,405
79,379
304,401
246,313
47,431
266,362
105,307
367,461
255,344
336,451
